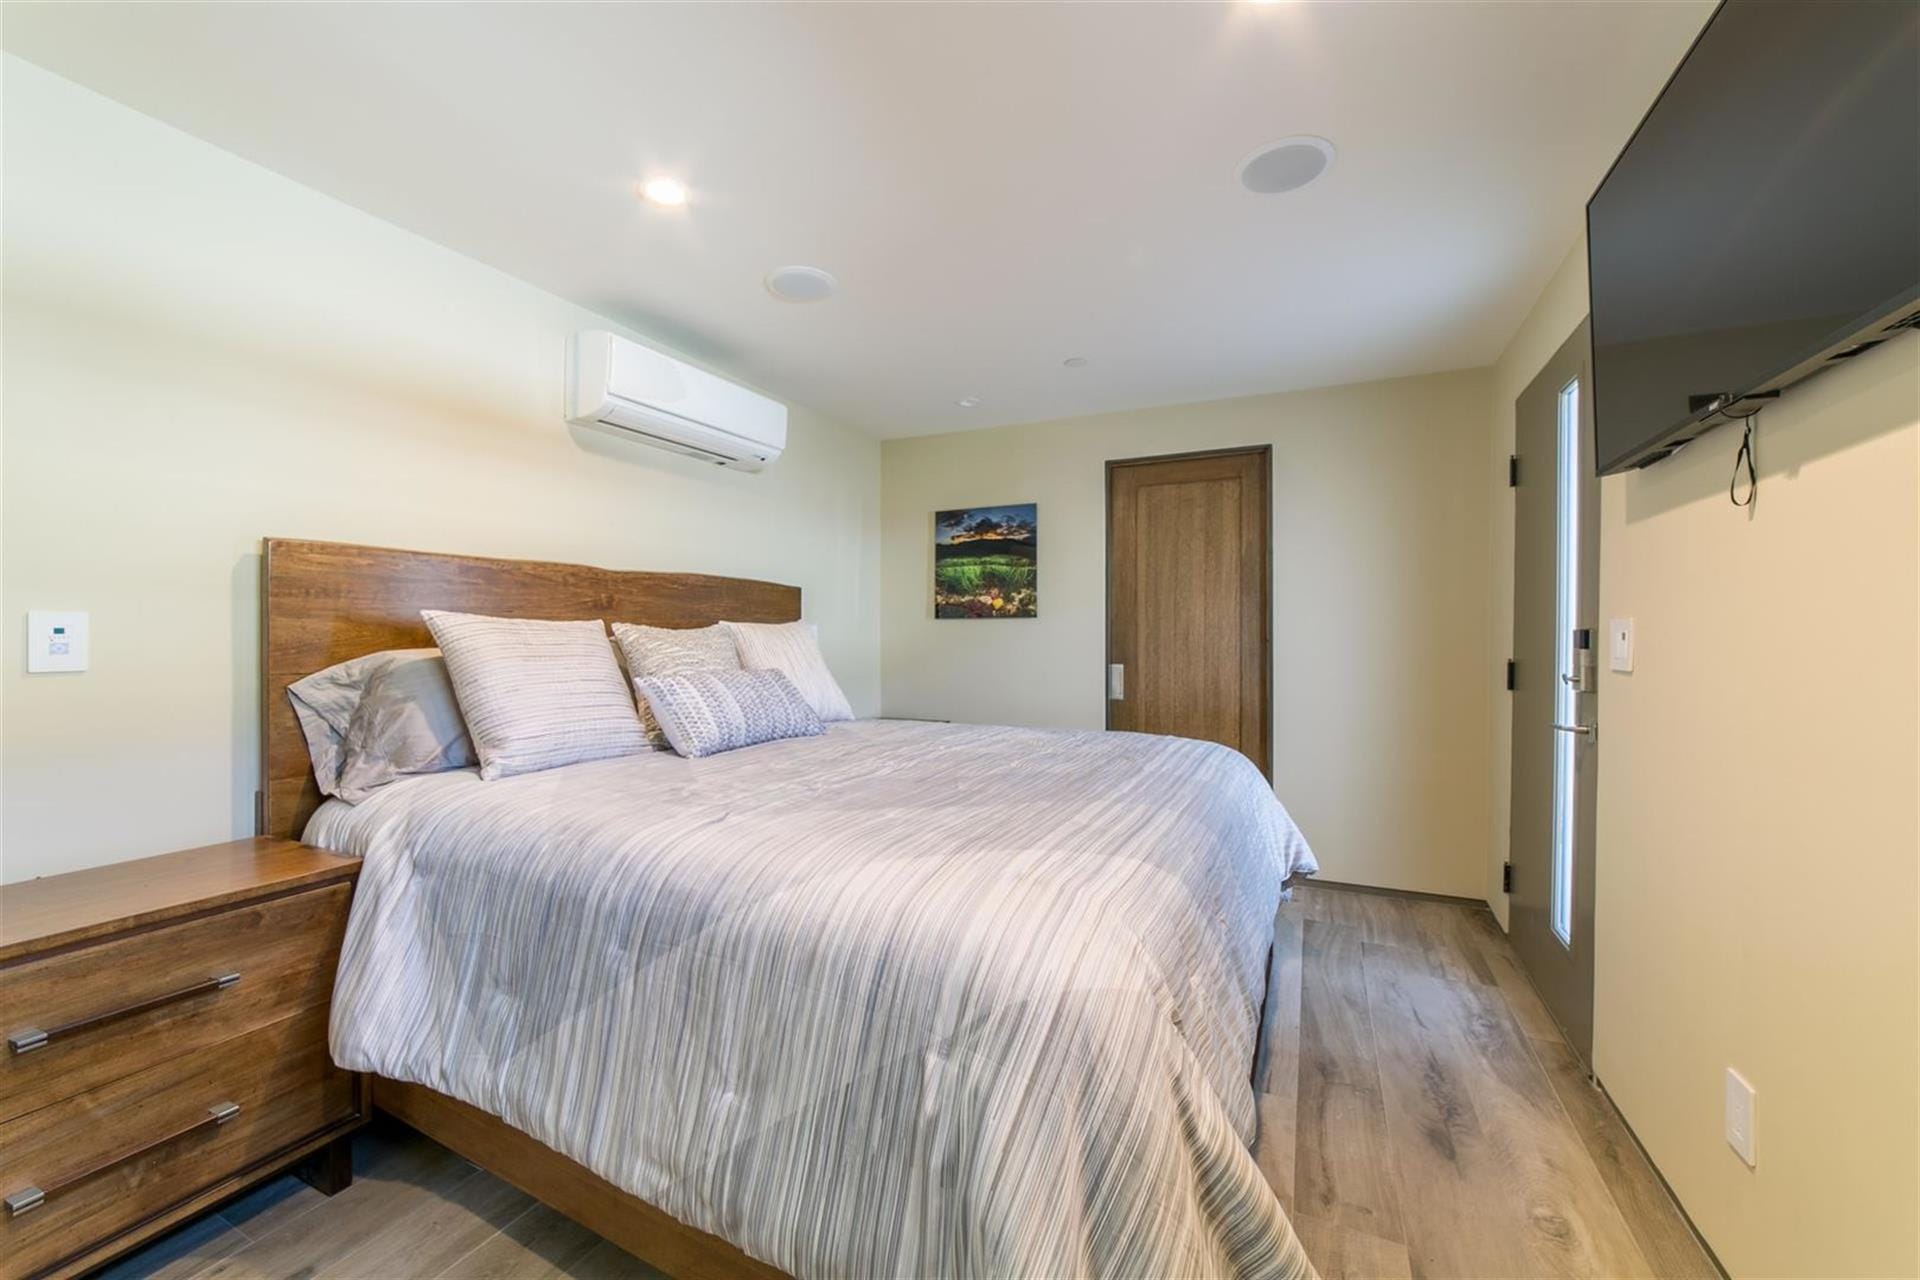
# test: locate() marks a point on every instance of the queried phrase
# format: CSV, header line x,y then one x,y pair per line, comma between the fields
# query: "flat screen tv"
x,y
1762,223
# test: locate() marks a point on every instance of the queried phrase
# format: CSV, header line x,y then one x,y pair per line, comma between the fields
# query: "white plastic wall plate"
x,y
1620,644
1740,1106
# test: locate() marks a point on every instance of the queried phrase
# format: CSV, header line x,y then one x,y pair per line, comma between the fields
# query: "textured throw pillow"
x,y
792,649
536,694
705,712
665,651
418,729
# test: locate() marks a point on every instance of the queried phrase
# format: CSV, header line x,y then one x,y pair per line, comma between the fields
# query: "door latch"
x,y
1581,677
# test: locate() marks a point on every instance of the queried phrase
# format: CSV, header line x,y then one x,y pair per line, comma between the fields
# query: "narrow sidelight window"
x,y
1566,698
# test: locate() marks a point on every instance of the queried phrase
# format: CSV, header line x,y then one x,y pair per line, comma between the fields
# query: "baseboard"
x,y
1417,895
1665,1186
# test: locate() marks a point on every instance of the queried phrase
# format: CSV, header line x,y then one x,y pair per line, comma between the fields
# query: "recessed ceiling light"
x,y
968,402
1075,362
669,193
1286,165
800,284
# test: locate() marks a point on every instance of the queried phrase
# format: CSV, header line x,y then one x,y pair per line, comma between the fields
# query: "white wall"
x,y
1757,894
199,353
1381,528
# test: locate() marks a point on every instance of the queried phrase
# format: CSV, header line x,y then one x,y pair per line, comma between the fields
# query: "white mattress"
x,y
906,999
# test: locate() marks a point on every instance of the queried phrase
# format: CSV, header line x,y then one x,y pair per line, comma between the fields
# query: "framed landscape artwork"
x,y
985,562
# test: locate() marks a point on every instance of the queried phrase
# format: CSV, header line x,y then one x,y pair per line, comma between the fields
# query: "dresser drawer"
x,y
111,1008
107,1159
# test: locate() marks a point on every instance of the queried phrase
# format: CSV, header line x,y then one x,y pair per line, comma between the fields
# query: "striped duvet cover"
x,y
903,1000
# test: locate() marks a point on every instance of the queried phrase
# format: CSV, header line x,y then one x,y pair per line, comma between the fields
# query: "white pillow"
x,y
535,694
792,649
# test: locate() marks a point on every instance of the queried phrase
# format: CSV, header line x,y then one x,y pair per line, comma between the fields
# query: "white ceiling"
x,y
997,187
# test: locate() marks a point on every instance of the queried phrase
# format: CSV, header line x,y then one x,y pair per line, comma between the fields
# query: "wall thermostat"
x,y
56,640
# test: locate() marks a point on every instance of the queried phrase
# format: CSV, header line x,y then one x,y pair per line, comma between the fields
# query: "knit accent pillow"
x,y
703,713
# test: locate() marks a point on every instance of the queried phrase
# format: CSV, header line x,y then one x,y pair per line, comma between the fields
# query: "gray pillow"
x,y
707,712
416,728
537,694
667,651
407,722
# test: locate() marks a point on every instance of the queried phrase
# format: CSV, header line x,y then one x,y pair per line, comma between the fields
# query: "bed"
x,y
904,999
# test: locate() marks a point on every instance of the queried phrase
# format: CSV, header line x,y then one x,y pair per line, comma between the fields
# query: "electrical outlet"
x,y
1740,1098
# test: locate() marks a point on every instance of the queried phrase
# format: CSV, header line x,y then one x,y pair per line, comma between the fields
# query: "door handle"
x,y
1584,729
1116,682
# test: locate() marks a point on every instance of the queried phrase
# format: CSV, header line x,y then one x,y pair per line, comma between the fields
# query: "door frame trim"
x,y
1265,453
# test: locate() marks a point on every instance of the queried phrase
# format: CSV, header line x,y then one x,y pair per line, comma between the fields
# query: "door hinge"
x,y
1513,471
1506,877
1510,675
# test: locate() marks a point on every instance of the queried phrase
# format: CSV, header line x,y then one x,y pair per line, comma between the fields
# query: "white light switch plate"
x,y
1740,1098
1620,644
56,640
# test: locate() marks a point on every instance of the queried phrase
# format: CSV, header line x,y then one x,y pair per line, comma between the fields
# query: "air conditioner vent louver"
x,y
667,442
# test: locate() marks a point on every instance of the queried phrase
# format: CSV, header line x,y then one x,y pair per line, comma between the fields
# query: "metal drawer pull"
x,y
27,1039
27,1199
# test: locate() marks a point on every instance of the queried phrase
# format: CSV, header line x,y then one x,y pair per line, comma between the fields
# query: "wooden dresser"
x,y
166,1028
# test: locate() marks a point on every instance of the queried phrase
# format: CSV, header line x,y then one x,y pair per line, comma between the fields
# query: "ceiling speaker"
x,y
800,284
1286,165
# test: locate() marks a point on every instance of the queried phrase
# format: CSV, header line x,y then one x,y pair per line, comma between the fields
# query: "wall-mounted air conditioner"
x,y
666,402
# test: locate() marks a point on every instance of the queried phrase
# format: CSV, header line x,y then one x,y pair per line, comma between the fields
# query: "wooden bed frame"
x,y
325,602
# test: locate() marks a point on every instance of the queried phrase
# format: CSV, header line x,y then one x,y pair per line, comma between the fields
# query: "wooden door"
x,y
1188,637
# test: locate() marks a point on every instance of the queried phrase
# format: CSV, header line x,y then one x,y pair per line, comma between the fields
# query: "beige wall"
x,y
1380,519
1758,884
199,353
1758,865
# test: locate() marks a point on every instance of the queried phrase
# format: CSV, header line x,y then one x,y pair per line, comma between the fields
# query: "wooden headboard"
x,y
325,602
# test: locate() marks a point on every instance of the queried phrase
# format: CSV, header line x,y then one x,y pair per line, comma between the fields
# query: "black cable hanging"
x,y
1744,461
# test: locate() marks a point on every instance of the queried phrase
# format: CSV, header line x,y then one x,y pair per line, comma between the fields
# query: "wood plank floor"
x,y
1420,1115
1440,1125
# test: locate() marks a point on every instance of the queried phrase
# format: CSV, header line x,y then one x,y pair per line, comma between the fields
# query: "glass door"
x,y
1555,703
